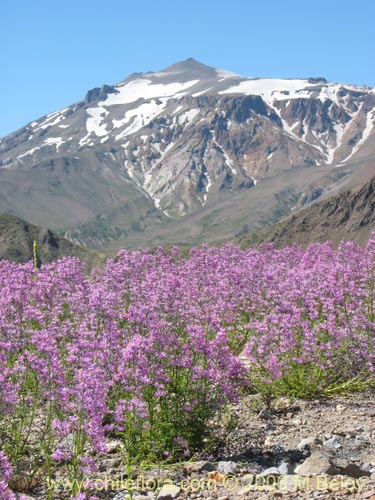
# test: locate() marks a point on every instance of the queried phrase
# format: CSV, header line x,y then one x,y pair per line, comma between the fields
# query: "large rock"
x,y
351,469
317,463
169,492
227,468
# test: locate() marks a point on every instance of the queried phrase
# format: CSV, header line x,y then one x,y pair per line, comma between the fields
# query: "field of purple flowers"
x,y
149,348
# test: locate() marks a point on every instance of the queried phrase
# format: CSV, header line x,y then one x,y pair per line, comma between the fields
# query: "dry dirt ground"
x,y
298,449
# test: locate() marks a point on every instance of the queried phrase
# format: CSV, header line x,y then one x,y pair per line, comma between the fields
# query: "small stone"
x,y
110,463
368,429
195,475
359,444
338,432
157,475
310,442
247,479
368,494
122,495
265,414
216,476
340,408
201,466
227,468
168,492
332,444
113,446
267,441
271,471
244,491
286,468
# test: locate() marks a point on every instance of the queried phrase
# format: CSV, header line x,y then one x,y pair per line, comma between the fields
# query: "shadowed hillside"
x,y
17,237
347,216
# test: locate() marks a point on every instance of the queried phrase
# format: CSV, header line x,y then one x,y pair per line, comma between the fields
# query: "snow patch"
x,y
29,152
177,109
365,134
145,89
156,145
130,169
340,129
290,128
188,116
208,185
95,122
269,89
57,141
201,92
223,74
139,117
170,146
160,74
228,161
48,123
330,92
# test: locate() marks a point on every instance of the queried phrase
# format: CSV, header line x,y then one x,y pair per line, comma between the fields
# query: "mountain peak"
x,y
189,69
183,71
189,64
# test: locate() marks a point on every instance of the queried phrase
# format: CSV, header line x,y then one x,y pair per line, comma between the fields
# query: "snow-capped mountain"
x,y
163,145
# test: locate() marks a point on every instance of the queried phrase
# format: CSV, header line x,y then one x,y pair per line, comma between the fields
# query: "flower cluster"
x,y
151,346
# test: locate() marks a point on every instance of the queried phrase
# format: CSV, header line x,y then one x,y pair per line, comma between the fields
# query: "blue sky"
x,y
52,52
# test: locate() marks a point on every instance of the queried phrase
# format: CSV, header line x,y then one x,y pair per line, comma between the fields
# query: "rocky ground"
x,y
297,449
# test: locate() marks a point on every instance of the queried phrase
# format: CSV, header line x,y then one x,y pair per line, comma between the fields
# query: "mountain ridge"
x,y
161,147
349,215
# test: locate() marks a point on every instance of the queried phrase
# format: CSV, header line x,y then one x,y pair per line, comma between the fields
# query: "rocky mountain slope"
x,y
347,216
161,152
17,238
